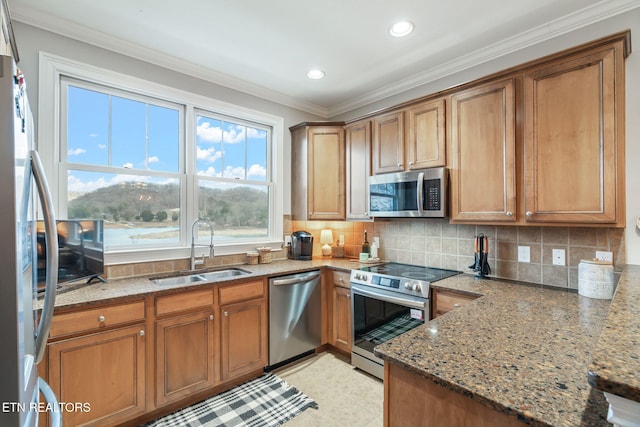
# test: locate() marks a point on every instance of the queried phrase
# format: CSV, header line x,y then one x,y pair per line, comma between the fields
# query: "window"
x,y
149,160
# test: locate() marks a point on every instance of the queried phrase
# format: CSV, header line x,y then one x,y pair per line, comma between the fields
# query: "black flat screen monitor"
x,y
81,250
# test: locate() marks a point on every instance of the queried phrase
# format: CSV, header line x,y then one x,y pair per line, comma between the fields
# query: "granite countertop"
x,y
78,295
520,349
615,366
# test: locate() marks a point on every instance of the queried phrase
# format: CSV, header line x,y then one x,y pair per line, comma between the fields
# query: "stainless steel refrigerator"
x,y
24,330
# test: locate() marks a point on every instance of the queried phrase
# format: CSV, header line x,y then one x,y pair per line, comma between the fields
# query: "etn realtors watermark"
x,y
45,407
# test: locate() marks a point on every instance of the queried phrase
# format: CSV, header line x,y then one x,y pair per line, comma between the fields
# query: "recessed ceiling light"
x,y
401,29
315,74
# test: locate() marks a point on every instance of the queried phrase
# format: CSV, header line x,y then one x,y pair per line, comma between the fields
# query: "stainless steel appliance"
x,y
23,334
388,300
419,193
294,316
301,245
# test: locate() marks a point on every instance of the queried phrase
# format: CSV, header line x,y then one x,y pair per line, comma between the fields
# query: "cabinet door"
x,y
358,147
573,164
426,130
342,318
104,370
185,355
326,162
243,336
388,143
483,171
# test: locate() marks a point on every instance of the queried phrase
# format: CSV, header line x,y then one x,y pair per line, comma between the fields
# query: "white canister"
x,y
595,279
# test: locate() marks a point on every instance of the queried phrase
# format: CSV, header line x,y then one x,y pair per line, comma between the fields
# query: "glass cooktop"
x,y
415,272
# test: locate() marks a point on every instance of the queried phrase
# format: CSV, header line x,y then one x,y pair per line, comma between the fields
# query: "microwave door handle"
x,y
420,193
51,244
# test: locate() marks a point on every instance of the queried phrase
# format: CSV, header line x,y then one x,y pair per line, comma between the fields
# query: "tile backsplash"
x,y
437,243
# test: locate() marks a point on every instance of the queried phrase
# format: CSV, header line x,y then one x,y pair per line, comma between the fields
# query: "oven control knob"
x,y
417,287
408,286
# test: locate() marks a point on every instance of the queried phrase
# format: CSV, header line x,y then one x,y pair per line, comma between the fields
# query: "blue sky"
x,y
223,149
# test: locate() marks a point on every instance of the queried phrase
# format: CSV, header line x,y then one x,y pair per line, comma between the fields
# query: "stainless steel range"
x,y
388,300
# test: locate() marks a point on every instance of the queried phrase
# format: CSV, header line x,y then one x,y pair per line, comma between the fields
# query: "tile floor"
x,y
345,395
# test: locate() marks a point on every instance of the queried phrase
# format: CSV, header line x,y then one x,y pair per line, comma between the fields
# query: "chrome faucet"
x,y
194,261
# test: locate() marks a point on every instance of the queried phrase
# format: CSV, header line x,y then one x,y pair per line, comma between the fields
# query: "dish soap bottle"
x,y
366,249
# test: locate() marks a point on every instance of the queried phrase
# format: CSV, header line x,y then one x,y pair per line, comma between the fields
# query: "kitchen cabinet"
x,y
358,169
7,41
388,142
483,155
105,370
341,334
574,138
445,301
426,129
413,400
243,329
318,172
186,354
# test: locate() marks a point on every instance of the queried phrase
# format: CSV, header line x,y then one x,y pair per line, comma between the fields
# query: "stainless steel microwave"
x,y
419,193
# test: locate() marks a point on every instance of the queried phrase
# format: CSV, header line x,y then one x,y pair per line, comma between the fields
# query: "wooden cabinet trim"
x,y
184,301
88,320
342,279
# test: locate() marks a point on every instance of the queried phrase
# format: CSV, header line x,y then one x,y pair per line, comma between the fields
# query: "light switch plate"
x,y
341,240
604,256
524,254
558,257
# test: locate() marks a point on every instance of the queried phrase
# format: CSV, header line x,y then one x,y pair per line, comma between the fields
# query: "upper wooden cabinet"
x,y
574,138
483,155
388,142
317,172
425,135
358,170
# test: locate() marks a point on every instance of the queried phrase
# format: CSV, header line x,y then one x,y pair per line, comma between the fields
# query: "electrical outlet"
x,y
558,257
524,254
376,240
341,240
604,256
287,240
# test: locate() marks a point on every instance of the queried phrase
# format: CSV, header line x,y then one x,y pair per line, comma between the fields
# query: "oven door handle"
x,y
389,298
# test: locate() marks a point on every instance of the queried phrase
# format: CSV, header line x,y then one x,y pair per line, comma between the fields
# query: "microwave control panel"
x,y
432,196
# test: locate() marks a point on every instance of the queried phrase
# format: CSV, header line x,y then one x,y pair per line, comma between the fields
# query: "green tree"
x,y
161,216
147,215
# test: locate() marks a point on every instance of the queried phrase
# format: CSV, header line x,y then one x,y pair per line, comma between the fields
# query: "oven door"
x,y
379,316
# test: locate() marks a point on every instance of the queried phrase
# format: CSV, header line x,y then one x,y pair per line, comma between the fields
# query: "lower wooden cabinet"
x,y
243,337
446,301
185,355
104,370
341,334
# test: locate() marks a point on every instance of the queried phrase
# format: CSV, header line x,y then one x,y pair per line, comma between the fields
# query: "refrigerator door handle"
x,y
51,234
52,400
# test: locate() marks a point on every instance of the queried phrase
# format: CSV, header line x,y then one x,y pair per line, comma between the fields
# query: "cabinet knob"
x,y
142,333
411,163
226,313
211,317
529,213
399,165
456,305
340,279
509,213
101,319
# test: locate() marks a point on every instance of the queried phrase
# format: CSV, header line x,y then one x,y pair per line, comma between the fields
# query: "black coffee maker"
x,y
301,245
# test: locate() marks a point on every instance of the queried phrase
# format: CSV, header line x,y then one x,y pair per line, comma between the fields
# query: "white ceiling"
x,y
266,47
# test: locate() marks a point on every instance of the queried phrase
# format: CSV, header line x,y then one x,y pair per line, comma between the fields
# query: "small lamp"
x,y
326,237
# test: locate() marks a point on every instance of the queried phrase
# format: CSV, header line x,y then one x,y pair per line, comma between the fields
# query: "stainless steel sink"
x,y
199,277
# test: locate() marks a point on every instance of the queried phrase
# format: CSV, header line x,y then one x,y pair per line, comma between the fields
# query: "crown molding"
x,y
582,18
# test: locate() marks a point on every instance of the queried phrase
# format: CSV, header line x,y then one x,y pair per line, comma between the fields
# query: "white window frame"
x,y
52,67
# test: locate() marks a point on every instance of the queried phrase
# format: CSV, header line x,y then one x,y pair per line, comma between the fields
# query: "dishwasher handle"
x,y
294,280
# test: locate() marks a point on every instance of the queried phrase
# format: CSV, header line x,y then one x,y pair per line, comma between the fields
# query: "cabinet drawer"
x,y
184,302
243,292
446,301
340,278
96,318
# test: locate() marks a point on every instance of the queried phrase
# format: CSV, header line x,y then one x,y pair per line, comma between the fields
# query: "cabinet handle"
x,y
509,213
101,319
529,213
226,313
399,165
211,317
456,305
410,163
142,333
340,279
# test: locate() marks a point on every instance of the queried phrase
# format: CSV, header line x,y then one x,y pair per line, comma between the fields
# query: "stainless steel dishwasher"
x,y
294,316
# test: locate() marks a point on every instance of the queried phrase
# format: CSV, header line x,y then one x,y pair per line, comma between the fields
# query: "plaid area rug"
x,y
265,401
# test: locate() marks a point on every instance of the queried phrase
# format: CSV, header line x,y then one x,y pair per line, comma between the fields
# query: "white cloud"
x,y
77,185
102,146
93,135
208,155
257,170
76,151
234,172
128,165
211,171
208,133
154,159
